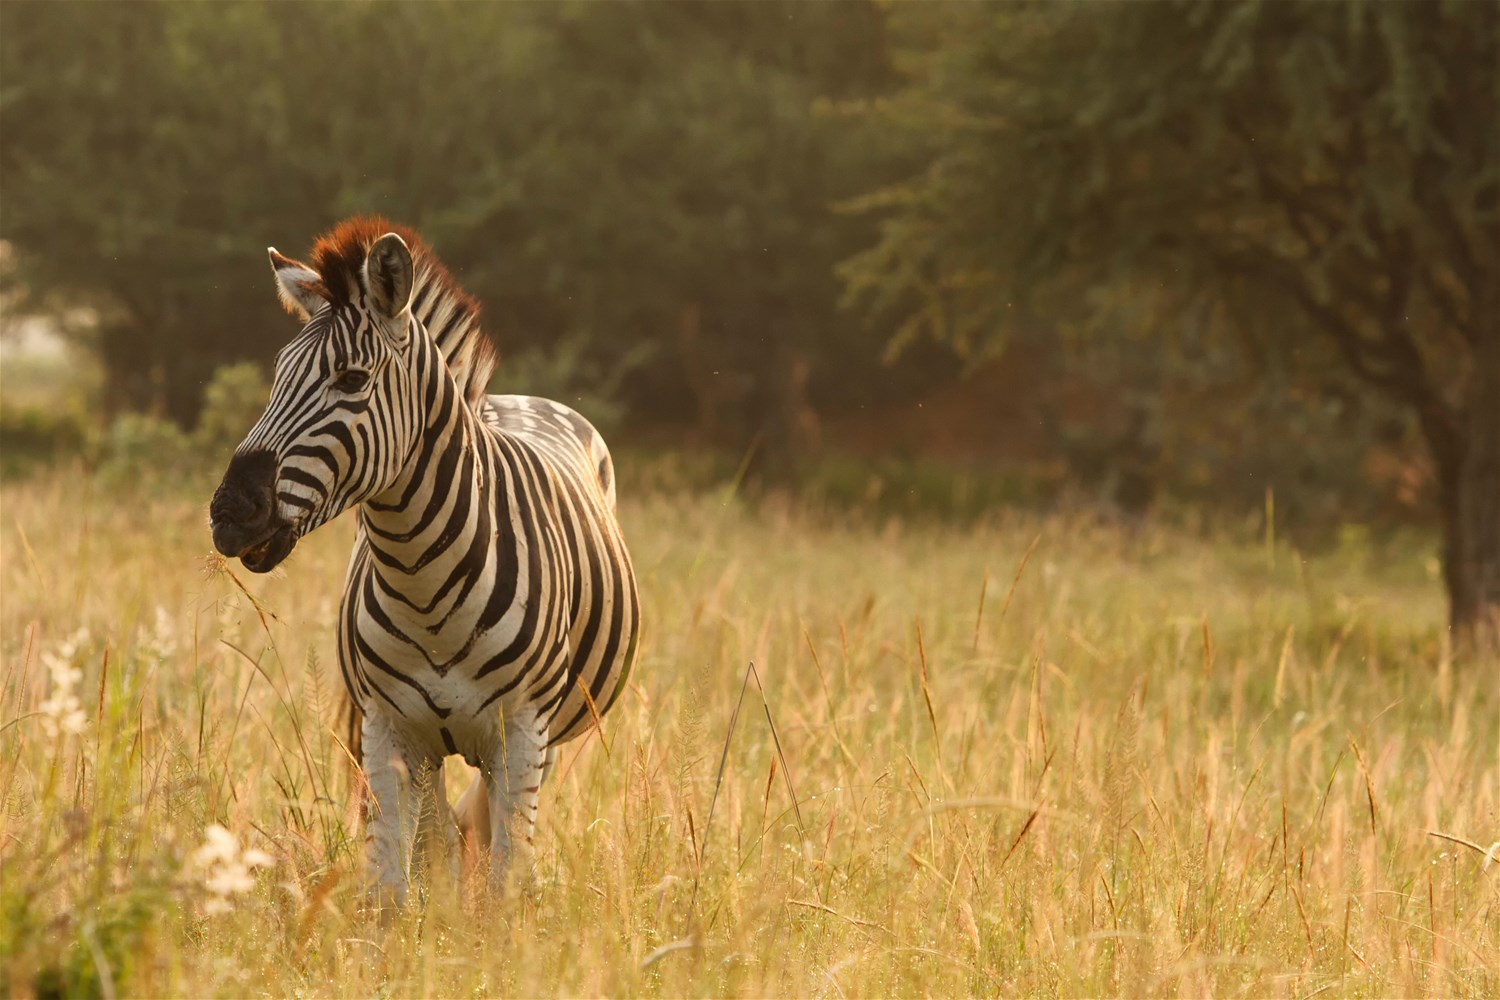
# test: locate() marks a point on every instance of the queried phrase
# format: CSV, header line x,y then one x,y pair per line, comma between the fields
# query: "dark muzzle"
x,y
243,513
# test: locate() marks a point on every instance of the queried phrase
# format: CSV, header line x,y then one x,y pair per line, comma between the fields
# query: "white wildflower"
x,y
160,640
229,880
256,858
224,870
219,847
62,713
70,646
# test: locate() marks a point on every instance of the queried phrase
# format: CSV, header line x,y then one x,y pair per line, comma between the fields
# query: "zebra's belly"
x,y
458,708
425,707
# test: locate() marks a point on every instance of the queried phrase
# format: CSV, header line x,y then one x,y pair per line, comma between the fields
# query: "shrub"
x,y
138,444
232,402
31,436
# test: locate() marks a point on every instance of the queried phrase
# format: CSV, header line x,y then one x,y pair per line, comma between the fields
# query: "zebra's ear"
x,y
302,292
388,276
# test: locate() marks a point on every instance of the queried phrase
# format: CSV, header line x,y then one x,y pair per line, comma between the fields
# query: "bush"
x,y
137,444
31,437
233,400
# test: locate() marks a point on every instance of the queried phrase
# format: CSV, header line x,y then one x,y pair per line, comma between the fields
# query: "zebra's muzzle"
x,y
260,551
264,556
243,514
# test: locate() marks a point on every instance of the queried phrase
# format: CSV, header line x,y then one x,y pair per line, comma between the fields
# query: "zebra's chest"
x,y
446,679
449,667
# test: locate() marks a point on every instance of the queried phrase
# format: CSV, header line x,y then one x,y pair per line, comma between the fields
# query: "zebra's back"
x,y
604,603
563,435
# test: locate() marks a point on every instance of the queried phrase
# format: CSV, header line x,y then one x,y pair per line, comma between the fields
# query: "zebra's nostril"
x,y
244,497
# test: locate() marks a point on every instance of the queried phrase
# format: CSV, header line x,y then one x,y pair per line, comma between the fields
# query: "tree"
x,y
152,151
680,194
633,178
1325,176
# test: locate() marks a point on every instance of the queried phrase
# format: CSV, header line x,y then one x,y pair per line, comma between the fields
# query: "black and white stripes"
x,y
489,607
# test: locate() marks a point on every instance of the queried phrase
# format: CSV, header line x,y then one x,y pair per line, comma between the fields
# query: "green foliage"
x,y
44,397
87,954
652,199
1306,177
151,158
589,171
137,445
1274,160
920,491
233,401
84,847
33,436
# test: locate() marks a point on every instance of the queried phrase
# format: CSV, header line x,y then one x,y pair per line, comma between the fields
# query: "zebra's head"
x,y
345,413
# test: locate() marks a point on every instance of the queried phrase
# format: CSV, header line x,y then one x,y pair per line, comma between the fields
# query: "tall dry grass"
x,y
1049,755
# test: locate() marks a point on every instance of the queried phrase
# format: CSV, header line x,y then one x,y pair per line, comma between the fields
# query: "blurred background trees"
x,y
653,182
1320,181
1161,253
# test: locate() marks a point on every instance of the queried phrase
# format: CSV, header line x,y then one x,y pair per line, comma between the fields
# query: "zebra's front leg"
x,y
514,778
396,772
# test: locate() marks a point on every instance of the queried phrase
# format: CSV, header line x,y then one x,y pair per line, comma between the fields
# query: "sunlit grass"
x,y
1149,764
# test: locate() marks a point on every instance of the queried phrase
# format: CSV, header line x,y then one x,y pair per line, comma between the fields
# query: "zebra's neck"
x,y
428,531
452,321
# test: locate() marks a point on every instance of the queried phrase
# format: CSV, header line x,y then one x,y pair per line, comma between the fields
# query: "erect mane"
x,y
450,315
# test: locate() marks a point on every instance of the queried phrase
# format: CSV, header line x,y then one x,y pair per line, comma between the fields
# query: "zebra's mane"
x,y
449,313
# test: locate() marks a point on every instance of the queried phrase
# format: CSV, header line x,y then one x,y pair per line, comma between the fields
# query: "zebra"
x,y
489,608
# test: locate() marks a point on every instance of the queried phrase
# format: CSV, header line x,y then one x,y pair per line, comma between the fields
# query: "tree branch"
x,y
1359,352
1446,303
1392,362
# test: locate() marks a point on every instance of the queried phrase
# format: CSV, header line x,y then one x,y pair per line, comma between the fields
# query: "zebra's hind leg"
x,y
395,770
513,780
472,815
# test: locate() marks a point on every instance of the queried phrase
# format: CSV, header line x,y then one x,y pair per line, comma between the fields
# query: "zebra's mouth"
x,y
263,556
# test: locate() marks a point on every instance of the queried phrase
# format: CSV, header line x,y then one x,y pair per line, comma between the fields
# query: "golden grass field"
x,y
1151,764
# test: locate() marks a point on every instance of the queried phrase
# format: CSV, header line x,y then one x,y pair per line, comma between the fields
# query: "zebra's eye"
x,y
350,380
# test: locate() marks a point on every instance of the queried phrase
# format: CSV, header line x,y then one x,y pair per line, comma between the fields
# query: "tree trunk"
x,y
787,424
184,377
126,354
701,374
1471,507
